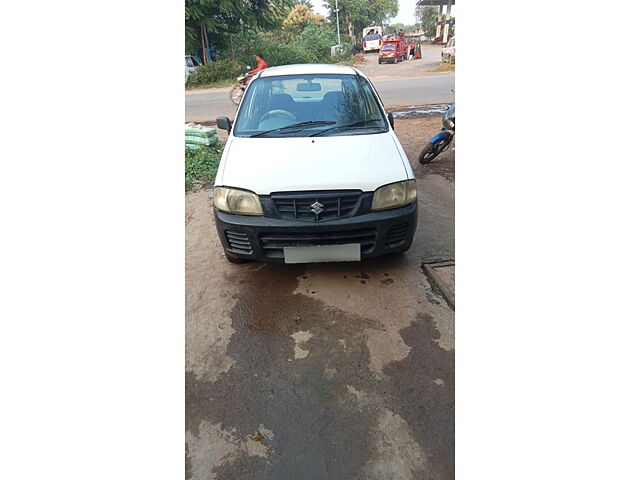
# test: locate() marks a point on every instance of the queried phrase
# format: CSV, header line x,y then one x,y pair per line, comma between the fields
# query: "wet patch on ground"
x,y
427,396
309,412
319,428
419,111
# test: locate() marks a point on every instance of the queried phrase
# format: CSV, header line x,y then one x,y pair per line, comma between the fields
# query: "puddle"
x,y
421,111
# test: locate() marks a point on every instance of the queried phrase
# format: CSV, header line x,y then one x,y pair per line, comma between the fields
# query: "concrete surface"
x,y
346,370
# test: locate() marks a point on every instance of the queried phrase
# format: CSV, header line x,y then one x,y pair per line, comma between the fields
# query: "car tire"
x,y
379,62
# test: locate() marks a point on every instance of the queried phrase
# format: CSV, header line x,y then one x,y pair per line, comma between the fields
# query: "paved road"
x,y
206,105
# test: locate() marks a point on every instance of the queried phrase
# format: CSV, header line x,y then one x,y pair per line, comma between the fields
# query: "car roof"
x,y
308,68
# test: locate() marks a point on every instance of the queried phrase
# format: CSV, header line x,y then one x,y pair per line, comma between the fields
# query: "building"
x,y
440,4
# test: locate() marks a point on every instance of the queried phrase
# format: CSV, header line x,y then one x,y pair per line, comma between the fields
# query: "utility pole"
x,y
338,22
204,50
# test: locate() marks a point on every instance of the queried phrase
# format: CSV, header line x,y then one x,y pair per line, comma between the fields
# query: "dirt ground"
x,y
405,69
341,371
414,133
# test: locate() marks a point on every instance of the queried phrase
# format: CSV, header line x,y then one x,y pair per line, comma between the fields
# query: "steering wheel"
x,y
277,113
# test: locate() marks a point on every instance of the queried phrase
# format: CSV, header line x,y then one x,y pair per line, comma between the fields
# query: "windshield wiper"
x,y
301,125
353,125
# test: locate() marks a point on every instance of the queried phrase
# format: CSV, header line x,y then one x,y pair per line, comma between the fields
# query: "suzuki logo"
x,y
317,207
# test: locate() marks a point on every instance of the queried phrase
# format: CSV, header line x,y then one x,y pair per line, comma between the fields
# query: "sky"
x,y
406,9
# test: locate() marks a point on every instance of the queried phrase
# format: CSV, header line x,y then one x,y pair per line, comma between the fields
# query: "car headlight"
x,y
239,202
395,195
448,124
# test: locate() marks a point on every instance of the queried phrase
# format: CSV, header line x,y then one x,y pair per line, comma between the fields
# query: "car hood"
x,y
266,165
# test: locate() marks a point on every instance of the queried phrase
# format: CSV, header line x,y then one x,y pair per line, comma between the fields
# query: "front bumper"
x,y
263,239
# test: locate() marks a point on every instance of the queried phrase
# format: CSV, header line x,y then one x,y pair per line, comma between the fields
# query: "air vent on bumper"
x,y
238,242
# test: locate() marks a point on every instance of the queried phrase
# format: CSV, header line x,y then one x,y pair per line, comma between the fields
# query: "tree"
x,y
301,16
427,17
355,15
217,20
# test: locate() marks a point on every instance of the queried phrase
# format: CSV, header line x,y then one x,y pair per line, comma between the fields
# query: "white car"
x,y
190,67
312,171
449,51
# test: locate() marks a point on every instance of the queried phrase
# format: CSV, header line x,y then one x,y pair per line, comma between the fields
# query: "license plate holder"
x,y
349,252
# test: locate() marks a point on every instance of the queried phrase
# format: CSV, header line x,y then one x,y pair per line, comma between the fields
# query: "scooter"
x,y
441,140
238,90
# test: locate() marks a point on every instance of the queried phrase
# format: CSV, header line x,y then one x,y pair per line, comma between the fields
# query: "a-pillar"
x,y
445,35
439,21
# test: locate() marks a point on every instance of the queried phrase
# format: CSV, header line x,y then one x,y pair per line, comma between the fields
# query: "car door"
x,y
446,51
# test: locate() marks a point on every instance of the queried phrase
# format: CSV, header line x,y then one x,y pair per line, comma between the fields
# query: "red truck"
x,y
394,48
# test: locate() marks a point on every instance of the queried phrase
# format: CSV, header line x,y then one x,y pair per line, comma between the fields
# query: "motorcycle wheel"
x,y
236,94
431,151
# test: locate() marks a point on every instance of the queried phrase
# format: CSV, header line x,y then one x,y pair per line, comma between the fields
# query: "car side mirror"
x,y
248,67
390,117
224,123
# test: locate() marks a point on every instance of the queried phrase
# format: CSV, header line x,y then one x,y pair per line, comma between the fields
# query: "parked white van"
x,y
312,171
372,39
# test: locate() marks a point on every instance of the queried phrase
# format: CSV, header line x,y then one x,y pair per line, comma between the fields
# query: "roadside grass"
x,y
217,84
444,67
201,165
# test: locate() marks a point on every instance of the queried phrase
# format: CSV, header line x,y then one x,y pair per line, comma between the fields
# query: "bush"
x,y
317,41
312,45
282,54
213,72
201,165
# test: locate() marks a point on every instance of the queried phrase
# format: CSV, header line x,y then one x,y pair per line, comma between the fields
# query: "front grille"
x,y
238,242
274,243
317,206
396,235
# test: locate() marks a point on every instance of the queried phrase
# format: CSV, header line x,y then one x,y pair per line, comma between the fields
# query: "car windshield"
x,y
389,46
305,105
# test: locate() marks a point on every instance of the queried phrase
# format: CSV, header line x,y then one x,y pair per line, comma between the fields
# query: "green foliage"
x,y
317,40
427,16
300,17
224,17
213,72
201,165
279,54
312,45
355,15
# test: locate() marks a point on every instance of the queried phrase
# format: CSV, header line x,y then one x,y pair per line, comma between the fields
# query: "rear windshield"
x,y
326,104
368,38
389,46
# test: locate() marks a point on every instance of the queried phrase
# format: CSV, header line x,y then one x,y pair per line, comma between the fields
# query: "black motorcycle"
x,y
441,140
